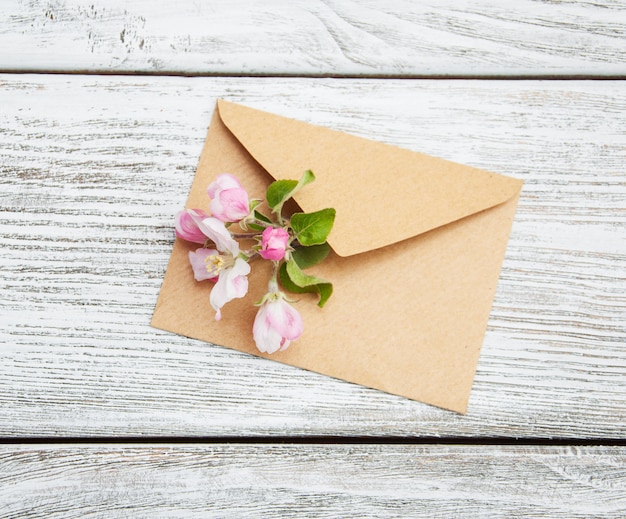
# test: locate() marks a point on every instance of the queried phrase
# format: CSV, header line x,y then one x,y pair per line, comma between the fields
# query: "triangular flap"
x,y
383,194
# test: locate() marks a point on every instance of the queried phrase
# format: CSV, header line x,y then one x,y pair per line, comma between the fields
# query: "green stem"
x,y
272,286
251,254
278,210
243,235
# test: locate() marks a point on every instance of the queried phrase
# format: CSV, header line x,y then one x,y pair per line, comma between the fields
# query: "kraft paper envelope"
x,y
418,244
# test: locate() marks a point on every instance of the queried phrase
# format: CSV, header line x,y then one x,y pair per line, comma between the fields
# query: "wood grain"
x,y
92,169
320,37
221,480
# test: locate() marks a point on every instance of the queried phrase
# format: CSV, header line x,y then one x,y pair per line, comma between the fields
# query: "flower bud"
x,y
186,225
274,243
277,323
229,201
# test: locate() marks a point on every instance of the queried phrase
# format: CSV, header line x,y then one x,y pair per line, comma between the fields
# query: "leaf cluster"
x,y
310,232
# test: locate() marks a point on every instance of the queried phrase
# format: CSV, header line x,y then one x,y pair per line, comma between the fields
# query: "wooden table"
x,y
103,111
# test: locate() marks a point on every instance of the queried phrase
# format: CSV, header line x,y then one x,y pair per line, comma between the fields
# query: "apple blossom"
x,y
276,324
274,241
268,237
229,200
186,225
231,270
232,283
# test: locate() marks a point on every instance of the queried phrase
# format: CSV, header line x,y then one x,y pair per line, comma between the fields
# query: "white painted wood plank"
x,y
241,481
304,37
92,170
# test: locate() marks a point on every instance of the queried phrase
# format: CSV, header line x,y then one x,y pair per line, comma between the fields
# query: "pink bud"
x,y
276,324
229,201
273,243
186,225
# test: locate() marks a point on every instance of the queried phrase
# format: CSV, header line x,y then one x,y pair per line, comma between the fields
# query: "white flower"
x,y
231,283
231,271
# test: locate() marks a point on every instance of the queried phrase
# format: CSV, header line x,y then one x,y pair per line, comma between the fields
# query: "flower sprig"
x,y
291,243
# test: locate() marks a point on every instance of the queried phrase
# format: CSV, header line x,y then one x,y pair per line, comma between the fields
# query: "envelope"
x,y
417,247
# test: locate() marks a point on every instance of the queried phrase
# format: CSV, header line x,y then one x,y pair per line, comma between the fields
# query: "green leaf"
x,y
306,257
256,227
261,217
313,228
280,191
294,280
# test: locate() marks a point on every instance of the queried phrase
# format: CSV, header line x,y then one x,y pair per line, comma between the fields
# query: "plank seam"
x,y
317,440
161,73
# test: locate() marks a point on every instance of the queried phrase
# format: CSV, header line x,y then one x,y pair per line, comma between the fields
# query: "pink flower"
x,y
273,243
276,324
231,271
229,201
186,225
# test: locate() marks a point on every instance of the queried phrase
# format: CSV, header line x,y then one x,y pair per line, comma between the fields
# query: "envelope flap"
x,y
383,194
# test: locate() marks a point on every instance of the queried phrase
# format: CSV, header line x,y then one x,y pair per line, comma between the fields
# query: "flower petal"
x,y
223,181
201,269
187,227
218,233
285,319
219,295
230,205
267,339
238,282
232,283
274,243
229,200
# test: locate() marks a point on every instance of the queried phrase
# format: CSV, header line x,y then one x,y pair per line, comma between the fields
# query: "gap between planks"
x,y
252,75
315,440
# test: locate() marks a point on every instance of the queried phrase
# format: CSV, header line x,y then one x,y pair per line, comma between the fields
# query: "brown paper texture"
x,y
418,244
